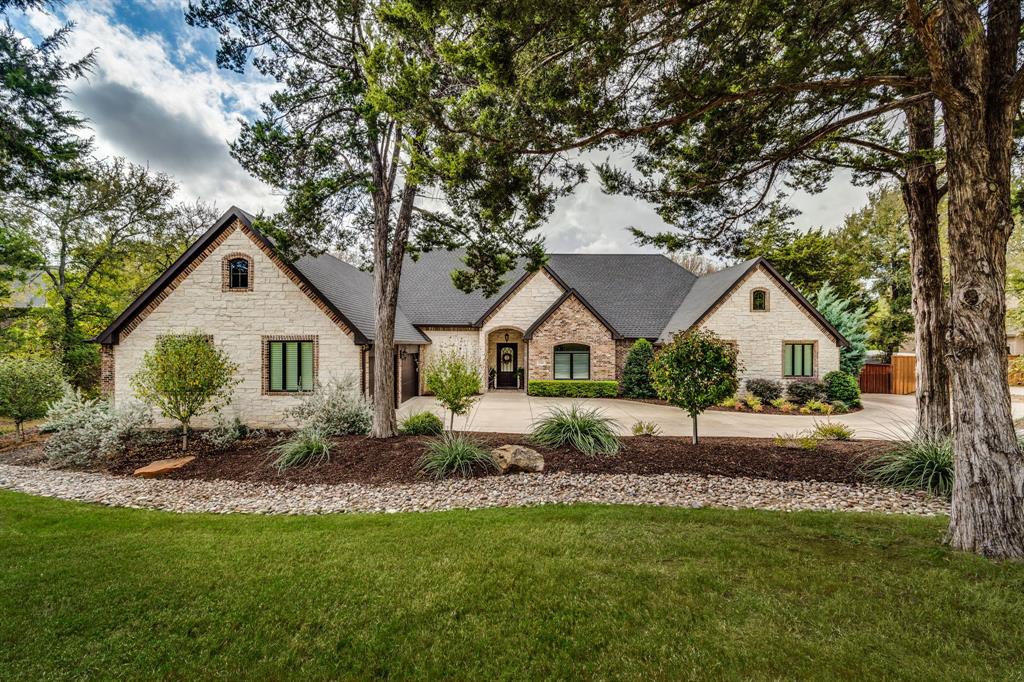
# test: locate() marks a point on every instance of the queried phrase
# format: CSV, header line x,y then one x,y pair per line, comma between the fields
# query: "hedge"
x,y
573,389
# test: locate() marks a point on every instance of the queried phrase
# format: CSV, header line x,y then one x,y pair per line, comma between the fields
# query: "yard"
x,y
580,591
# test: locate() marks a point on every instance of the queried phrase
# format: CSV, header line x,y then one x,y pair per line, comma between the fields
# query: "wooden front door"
x,y
508,365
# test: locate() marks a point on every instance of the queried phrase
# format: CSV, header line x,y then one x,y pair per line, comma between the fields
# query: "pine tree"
x,y
636,376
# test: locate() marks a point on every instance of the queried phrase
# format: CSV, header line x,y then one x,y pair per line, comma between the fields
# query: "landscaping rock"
x,y
161,467
517,459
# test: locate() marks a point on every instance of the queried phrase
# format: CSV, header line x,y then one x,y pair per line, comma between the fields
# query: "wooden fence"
x,y
876,379
896,377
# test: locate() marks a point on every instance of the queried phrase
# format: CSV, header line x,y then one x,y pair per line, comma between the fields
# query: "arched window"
x,y
238,273
572,361
759,300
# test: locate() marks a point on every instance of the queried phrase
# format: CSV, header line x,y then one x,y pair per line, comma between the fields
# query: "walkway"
x,y
884,416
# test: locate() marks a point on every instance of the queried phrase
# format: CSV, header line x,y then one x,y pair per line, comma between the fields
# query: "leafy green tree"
x,y
356,138
40,149
636,375
27,388
185,376
851,323
455,382
807,259
85,238
697,370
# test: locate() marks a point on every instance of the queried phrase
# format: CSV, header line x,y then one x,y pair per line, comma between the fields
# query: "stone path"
x,y
670,490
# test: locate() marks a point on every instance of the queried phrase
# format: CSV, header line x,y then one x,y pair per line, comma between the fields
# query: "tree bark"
x,y
972,60
921,197
695,441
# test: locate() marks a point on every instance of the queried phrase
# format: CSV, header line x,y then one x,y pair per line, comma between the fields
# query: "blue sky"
x,y
158,98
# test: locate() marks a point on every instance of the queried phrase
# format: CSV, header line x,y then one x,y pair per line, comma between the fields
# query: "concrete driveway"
x,y
883,416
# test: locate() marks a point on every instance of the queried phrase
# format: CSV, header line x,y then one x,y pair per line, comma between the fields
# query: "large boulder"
x,y
161,467
517,458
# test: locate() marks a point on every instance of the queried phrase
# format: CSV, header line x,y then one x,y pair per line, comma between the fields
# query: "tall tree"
x,y
40,148
785,79
973,52
351,138
83,231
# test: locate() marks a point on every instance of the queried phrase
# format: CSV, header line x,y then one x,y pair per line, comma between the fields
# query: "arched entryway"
x,y
506,359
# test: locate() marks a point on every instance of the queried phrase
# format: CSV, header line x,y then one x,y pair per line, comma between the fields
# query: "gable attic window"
x,y
236,272
759,300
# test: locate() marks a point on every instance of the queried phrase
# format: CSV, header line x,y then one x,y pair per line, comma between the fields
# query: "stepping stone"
x,y
161,467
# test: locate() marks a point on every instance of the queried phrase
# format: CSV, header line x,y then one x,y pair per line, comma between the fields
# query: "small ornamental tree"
x,y
694,372
636,375
27,388
455,382
185,376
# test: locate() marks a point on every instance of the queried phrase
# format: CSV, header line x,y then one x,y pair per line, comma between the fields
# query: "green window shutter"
x,y
581,366
276,356
307,365
563,365
291,366
787,360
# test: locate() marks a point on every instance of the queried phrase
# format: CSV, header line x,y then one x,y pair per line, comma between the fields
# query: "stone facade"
x,y
464,341
572,323
238,321
517,312
759,336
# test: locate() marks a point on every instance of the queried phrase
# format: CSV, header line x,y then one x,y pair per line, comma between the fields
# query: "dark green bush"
x,y
842,386
573,389
800,392
765,389
636,375
422,424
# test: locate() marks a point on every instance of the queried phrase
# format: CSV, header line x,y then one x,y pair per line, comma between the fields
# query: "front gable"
x,y
524,303
571,320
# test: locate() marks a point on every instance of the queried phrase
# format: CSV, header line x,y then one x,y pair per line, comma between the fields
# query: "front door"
x,y
508,364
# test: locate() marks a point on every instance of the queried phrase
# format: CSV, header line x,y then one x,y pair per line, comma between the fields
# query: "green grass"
x,y
581,592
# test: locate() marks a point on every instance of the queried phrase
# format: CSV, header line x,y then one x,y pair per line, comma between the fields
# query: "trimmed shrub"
x,y
87,431
422,424
841,386
636,375
308,446
643,428
587,431
336,408
916,464
573,389
27,389
832,431
765,389
800,392
455,454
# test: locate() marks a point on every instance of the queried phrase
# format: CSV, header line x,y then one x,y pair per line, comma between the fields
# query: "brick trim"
x,y
767,300
107,370
205,253
225,272
265,361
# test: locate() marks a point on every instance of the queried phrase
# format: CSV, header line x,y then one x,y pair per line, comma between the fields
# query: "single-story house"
x,y
291,325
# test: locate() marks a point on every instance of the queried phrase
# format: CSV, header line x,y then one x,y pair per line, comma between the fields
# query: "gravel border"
x,y
522,490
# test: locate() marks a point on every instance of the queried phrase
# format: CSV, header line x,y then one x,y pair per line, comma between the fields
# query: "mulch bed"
x,y
356,459
768,409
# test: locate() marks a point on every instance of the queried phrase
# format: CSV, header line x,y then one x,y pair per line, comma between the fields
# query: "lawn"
x,y
582,591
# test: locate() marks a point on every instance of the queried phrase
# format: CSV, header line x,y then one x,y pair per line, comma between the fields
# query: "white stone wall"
x,y
237,321
464,342
518,312
759,336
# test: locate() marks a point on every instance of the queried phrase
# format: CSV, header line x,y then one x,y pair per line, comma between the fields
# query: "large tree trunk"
x,y
386,296
921,197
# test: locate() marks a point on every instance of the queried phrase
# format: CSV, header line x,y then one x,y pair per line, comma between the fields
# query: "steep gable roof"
x,y
569,293
336,299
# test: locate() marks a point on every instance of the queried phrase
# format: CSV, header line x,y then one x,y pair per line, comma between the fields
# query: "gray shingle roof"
x,y
704,293
351,291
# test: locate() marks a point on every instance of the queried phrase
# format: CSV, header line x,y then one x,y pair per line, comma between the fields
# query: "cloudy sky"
x,y
158,98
